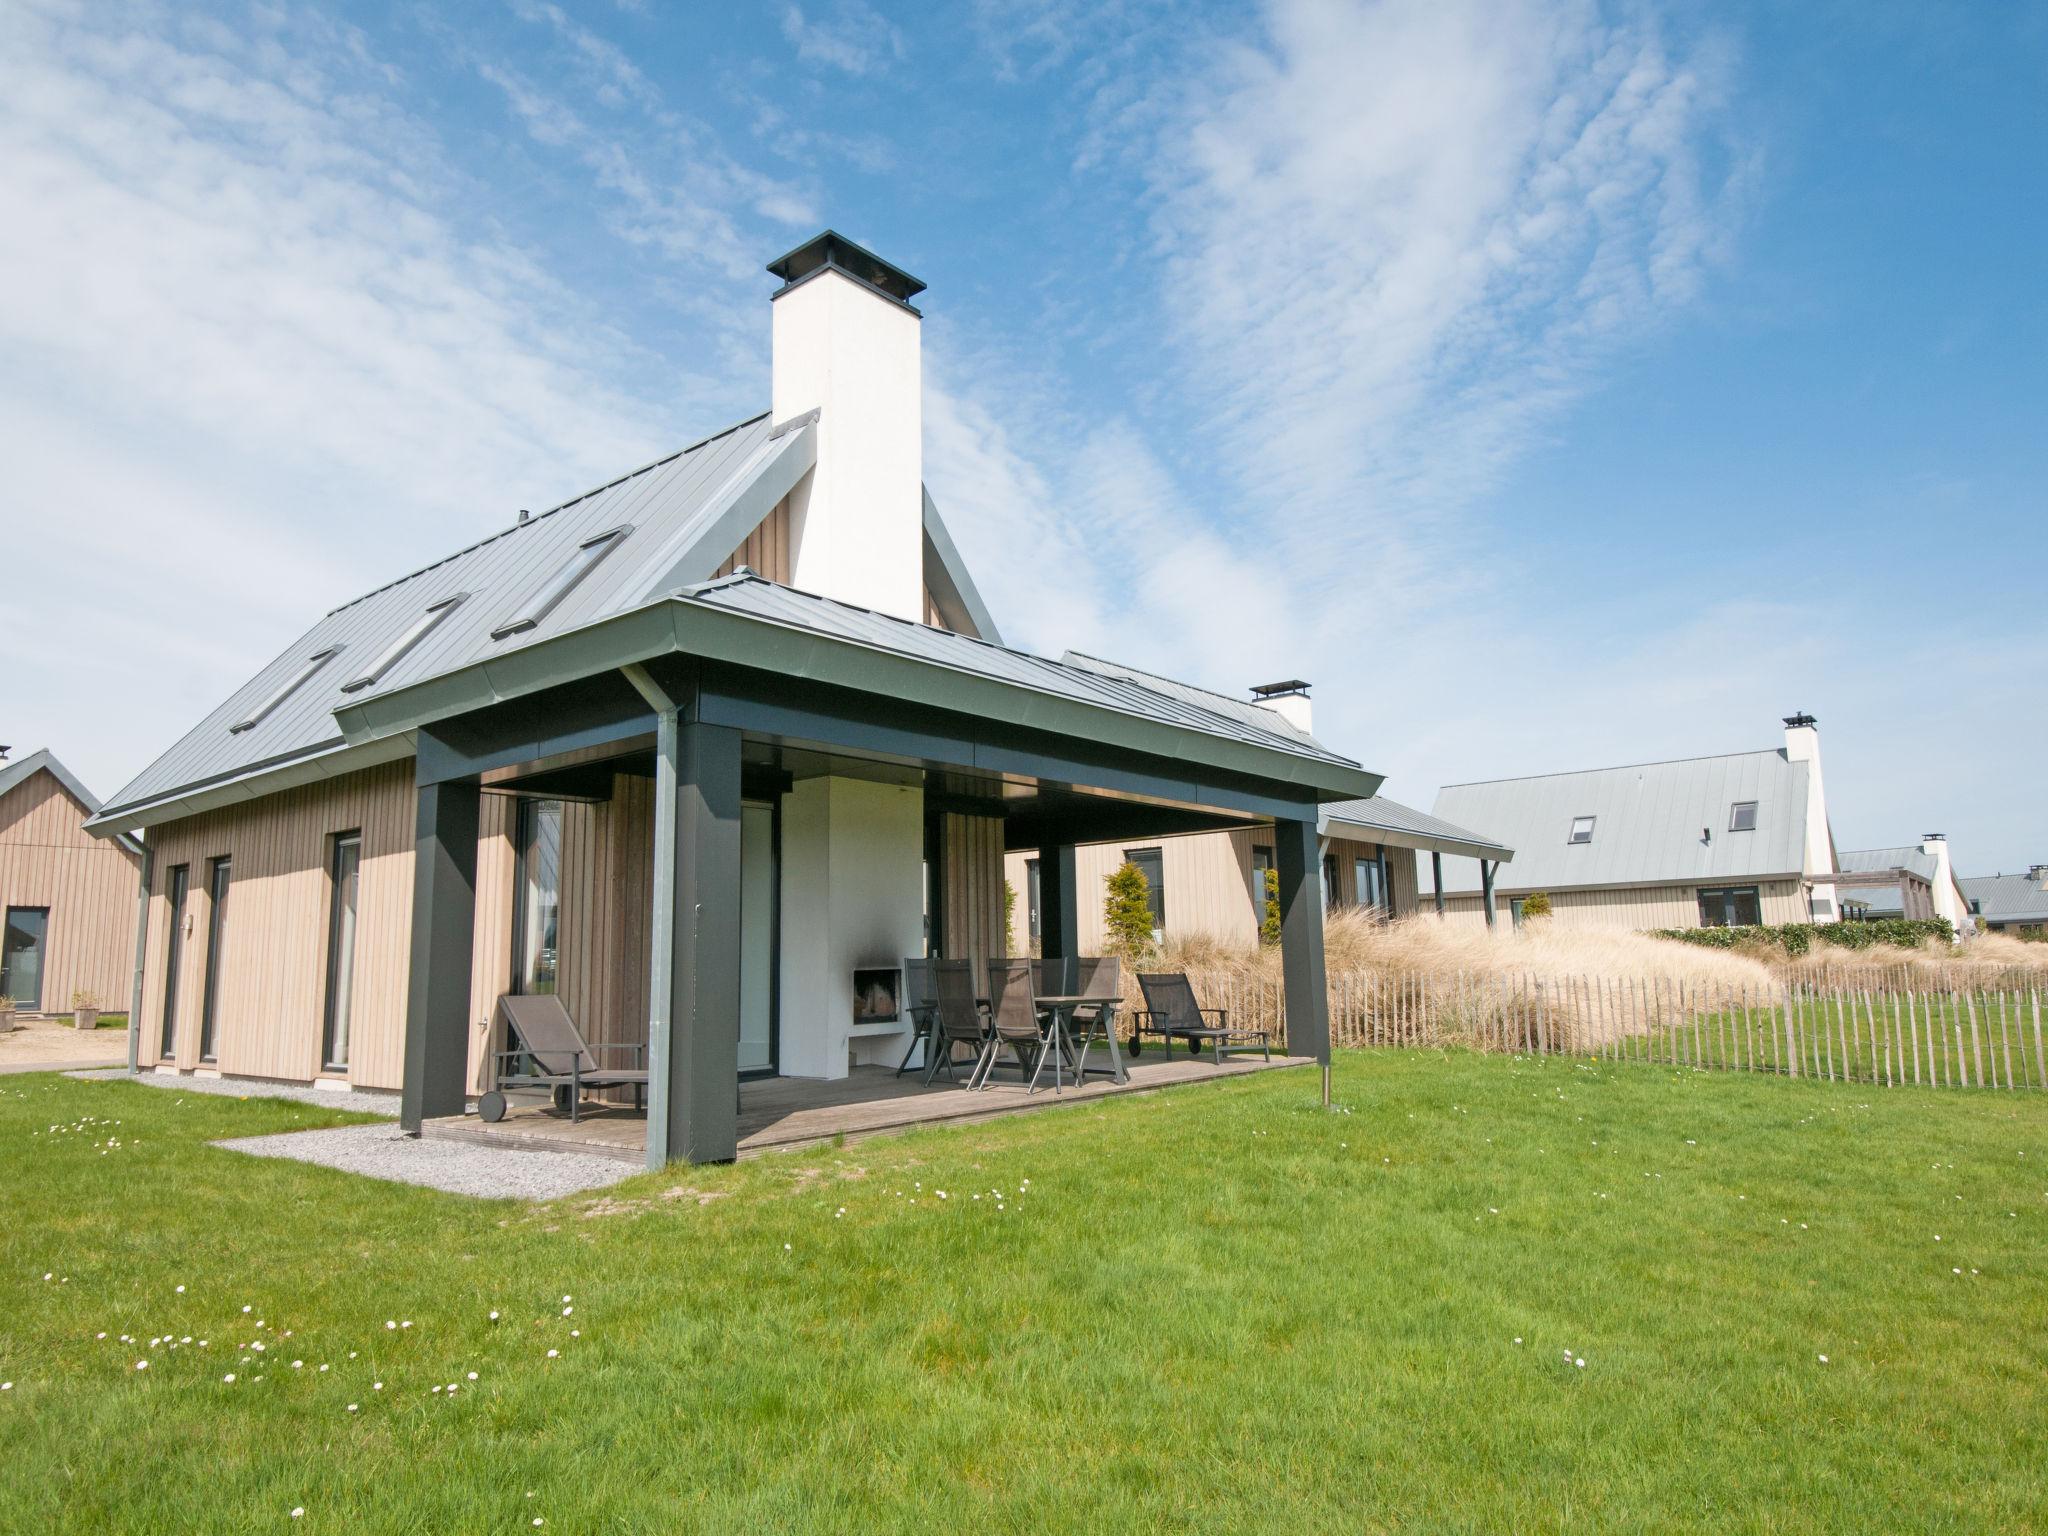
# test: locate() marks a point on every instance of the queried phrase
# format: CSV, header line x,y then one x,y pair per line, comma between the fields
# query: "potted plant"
x,y
6,1013
85,1010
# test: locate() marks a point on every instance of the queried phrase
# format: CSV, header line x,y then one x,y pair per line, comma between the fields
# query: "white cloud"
x,y
851,36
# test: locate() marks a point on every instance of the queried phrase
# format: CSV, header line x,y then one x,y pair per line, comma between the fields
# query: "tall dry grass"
x,y
1989,960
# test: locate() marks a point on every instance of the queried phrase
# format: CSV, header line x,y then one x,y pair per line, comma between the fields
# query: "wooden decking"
x,y
785,1112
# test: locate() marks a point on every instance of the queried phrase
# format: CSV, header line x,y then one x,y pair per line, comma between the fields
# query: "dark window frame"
x,y
338,844
1571,836
529,811
177,892
1034,903
220,876
1726,911
42,953
1735,816
1155,890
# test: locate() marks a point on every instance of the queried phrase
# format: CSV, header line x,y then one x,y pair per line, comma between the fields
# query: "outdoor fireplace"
x,y
876,994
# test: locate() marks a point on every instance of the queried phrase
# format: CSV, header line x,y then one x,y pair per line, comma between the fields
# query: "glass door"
x,y
345,867
174,960
758,857
21,956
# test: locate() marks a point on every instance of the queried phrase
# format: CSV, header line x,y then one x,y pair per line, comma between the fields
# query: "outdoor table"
x,y
1062,1008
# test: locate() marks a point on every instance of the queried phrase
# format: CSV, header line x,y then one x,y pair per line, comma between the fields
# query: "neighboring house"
x,y
690,750
1910,882
1212,884
2009,903
67,898
1701,842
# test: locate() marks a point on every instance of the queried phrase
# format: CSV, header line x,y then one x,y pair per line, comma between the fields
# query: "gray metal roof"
x,y
45,761
1649,820
1389,821
1255,717
2007,898
1880,861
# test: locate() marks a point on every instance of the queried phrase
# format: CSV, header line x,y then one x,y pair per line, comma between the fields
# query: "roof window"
x,y
1742,816
291,686
1582,829
417,631
580,565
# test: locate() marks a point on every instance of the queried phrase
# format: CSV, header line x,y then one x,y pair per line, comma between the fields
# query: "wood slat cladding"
x,y
273,980
971,864
765,551
497,872
47,859
1634,908
607,911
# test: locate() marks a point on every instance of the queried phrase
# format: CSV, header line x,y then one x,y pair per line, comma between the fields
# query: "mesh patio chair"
x,y
921,1003
959,1020
552,1053
1015,1022
1099,976
1171,1013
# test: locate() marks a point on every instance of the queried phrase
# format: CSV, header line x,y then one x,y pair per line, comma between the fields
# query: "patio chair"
x,y
552,1053
1099,977
1172,1013
1014,1021
960,1020
921,1004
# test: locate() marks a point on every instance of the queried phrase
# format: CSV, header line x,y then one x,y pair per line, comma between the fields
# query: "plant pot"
x,y
6,1020
85,1018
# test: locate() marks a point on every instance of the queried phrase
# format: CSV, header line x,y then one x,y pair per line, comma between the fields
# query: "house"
x,y
1911,882
1701,842
706,751
2016,904
68,898
1212,884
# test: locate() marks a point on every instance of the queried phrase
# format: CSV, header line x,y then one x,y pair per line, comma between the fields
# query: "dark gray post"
x,y
1059,909
443,933
1298,863
1436,869
694,1016
1486,873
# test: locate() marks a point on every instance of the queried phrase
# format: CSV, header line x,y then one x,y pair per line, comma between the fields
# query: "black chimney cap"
x,y
1793,722
833,252
1279,690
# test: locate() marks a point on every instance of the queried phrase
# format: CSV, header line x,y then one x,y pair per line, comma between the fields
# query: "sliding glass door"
x,y
757,938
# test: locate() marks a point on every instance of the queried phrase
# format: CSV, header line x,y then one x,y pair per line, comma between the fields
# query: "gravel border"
x,y
367,1101
456,1167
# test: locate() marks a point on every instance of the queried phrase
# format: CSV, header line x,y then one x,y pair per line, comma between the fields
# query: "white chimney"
x,y
2039,874
847,345
1946,903
1802,745
1288,700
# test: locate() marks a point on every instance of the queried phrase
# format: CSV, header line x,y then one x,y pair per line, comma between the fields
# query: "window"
x,y
217,881
420,628
1033,912
537,922
580,565
1262,862
345,860
1582,829
1331,889
1732,906
1373,885
297,681
1742,816
21,956
1152,866
176,882
1515,910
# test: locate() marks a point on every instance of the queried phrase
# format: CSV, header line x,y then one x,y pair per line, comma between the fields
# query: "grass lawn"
x,y
1214,1308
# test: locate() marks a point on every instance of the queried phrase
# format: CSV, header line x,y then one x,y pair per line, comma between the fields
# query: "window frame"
x,y
1155,890
220,878
177,892
1735,810
298,680
580,564
337,964
42,953
399,649
1727,896
1572,838
528,813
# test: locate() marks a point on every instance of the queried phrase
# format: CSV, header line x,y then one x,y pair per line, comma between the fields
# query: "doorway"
x,y
760,858
21,956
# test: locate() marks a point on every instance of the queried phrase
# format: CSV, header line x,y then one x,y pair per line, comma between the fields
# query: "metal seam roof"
x,y
1380,814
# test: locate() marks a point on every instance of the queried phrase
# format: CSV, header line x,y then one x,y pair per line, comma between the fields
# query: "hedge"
x,y
1798,938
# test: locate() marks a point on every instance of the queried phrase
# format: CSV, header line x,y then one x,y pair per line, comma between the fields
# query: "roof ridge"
x,y
1660,762
1214,693
560,506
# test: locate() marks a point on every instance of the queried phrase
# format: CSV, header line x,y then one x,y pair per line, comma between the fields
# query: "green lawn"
x,y
1214,1309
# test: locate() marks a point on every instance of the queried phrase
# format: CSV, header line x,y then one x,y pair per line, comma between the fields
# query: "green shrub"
x,y
1800,938
1127,914
1009,918
1269,925
1535,904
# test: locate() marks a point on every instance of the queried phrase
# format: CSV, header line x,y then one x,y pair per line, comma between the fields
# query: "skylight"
x,y
1582,829
580,565
297,680
1742,816
417,631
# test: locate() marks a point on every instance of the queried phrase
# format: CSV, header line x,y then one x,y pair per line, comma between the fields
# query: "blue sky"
x,y
1552,384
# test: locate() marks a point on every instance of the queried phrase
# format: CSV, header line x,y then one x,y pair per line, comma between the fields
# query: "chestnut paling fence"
x,y
1890,1031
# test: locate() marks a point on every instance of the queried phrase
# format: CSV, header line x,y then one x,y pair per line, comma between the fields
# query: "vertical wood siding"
x,y
497,873
972,864
765,551
1634,908
47,859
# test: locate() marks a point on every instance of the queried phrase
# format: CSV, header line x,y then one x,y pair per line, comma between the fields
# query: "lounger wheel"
x,y
1134,1045
491,1106
1194,1045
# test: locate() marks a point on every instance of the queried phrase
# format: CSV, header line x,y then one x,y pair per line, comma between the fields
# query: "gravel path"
x,y
45,1046
459,1167
367,1101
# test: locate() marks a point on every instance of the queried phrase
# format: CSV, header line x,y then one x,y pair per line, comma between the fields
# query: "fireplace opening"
x,y
877,997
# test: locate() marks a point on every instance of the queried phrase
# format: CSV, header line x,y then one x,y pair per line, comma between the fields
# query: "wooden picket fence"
x,y
1892,1034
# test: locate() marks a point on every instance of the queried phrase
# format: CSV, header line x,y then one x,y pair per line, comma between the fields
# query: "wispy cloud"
x,y
847,35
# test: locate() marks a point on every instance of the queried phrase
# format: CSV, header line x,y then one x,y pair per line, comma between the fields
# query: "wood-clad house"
x,y
707,751
67,898
1212,885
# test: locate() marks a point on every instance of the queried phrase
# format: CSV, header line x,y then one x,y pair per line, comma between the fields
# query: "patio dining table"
x,y
1063,1007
